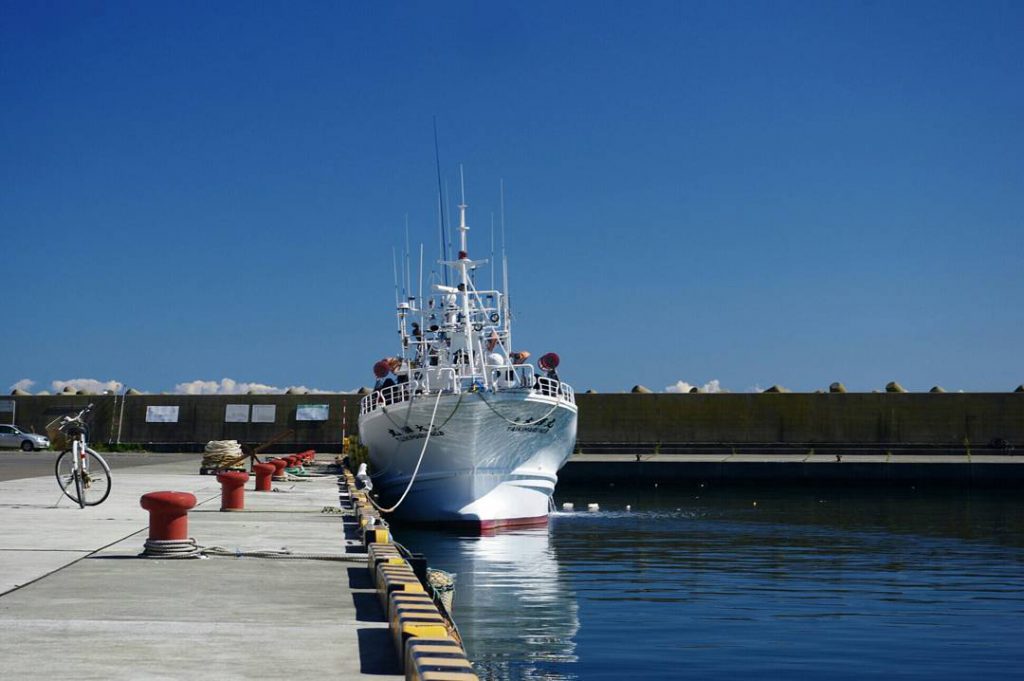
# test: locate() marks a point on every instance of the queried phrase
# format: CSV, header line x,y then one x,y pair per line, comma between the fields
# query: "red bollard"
x,y
279,466
264,472
168,514
232,490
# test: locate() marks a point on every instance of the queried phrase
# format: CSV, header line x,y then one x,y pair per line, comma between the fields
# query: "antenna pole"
x,y
507,311
464,272
394,267
463,227
441,227
408,270
448,243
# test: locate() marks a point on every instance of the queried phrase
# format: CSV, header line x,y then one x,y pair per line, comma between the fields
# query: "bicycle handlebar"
x,y
77,417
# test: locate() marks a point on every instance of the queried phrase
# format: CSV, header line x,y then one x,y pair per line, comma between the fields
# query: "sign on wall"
x,y
311,412
236,413
264,413
156,414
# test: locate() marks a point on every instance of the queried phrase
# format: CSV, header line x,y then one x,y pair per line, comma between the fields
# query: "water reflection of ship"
x,y
516,610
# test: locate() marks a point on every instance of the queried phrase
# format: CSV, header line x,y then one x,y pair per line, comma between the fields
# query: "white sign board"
x,y
162,414
236,413
311,412
264,413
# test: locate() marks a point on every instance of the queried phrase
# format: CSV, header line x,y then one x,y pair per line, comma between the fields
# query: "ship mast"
x,y
464,274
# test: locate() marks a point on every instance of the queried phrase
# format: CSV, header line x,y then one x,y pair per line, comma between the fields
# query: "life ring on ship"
x,y
494,317
477,326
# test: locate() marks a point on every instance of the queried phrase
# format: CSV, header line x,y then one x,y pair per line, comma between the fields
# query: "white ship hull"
x,y
491,460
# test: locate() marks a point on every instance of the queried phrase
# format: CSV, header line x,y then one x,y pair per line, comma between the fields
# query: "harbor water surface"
x,y
746,582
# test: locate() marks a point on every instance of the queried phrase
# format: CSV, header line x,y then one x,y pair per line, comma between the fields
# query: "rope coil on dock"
x,y
221,454
171,548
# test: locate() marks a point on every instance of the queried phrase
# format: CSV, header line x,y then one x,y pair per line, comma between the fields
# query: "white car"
x,y
12,436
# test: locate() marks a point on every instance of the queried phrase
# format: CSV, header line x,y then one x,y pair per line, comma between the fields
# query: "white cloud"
x,y
311,391
24,384
712,386
87,384
679,387
229,386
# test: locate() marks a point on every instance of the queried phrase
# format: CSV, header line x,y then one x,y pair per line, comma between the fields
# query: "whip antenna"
x,y
408,266
441,227
394,267
507,312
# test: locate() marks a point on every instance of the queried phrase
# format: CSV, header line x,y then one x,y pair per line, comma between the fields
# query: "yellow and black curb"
x,y
427,643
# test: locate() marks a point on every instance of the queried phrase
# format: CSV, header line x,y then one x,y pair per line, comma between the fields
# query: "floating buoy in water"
x,y
628,507
593,507
567,506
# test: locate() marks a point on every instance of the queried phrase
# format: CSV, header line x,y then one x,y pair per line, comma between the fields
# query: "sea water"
x,y
747,582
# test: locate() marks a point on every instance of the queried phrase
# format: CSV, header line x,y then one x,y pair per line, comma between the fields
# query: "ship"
x,y
460,429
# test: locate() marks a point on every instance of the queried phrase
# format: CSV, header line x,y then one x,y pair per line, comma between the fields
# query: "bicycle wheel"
x,y
68,479
92,486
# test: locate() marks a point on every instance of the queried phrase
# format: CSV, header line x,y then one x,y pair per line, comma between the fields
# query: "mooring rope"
x,y
517,423
408,411
457,404
188,548
444,423
426,441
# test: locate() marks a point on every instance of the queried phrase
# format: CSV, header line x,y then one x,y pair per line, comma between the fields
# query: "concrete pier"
x,y
76,599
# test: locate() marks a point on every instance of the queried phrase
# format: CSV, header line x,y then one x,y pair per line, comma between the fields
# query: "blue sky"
x,y
753,193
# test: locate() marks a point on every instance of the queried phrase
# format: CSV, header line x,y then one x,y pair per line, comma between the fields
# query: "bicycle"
x,y
81,473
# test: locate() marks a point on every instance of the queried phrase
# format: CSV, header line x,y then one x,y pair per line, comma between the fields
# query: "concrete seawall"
x,y
609,423
952,420
200,418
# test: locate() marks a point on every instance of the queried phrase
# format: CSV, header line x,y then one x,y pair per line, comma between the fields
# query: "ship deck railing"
x,y
526,381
